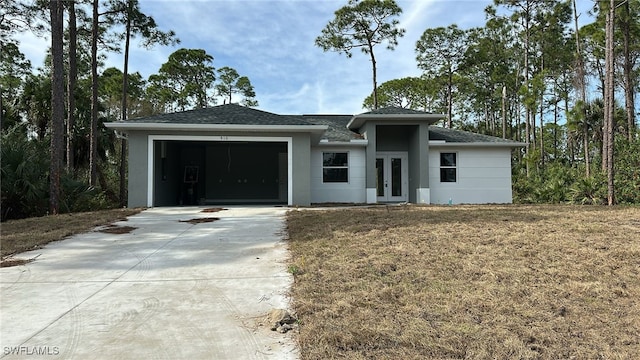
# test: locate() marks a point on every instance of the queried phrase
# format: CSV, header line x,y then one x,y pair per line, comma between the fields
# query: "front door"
x,y
392,176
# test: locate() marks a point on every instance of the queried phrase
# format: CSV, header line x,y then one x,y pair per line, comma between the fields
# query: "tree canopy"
x,y
363,24
230,83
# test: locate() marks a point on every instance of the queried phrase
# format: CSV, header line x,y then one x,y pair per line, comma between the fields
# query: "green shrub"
x,y
588,191
24,174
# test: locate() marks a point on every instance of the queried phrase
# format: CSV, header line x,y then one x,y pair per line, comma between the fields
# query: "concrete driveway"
x,y
166,290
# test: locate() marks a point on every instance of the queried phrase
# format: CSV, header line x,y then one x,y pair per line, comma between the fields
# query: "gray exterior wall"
x,y
301,150
138,170
370,134
418,160
393,137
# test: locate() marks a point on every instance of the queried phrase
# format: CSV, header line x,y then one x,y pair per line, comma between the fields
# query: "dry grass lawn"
x,y
467,282
32,233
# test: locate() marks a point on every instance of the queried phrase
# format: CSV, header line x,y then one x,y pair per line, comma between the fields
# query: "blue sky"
x,y
272,42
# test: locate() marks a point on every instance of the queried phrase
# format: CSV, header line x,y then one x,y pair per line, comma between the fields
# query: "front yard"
x,y
472,282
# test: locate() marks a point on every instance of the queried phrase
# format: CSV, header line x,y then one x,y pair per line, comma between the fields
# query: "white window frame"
x,y
455,167
336,167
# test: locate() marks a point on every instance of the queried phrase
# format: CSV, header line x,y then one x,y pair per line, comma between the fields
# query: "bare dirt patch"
x,y
200,220
212,210
14,262
472,282
115,229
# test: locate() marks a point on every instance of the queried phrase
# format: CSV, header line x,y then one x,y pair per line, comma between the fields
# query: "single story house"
x,y
235,154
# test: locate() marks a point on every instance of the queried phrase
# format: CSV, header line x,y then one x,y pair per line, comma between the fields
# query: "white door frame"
x,y
386,157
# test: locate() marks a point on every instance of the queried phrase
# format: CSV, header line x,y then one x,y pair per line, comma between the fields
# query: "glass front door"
x,y
391,177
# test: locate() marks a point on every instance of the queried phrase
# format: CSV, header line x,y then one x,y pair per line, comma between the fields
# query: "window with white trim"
x,y
335,167
448,167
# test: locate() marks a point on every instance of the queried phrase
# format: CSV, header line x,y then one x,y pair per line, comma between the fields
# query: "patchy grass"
x,y
33,233
467,282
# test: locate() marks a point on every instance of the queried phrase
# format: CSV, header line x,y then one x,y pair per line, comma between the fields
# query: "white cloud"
x,y
272,42
33,47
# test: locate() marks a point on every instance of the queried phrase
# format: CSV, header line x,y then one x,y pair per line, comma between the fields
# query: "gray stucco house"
x,y
235,154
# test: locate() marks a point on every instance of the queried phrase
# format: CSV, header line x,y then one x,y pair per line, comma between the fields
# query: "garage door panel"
x,y
243,171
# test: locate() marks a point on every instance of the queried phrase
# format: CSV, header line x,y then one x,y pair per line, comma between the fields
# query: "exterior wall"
x,y
393,137
138,169
483,176
301,162
418,164
351,192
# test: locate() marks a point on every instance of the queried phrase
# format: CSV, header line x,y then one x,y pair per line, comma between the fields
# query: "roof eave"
x,y
358,120
354,143
132,126
477,144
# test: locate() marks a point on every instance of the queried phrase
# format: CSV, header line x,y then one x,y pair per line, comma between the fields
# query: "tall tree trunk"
x,y
487,121
374,69
526,80
449,98
609,102
555,130
587,160
1,117
532,130
504,112
71,84
93,142
518,122
56,9
581,85
124,112
629,91
541,136
571,136
542,127
605,142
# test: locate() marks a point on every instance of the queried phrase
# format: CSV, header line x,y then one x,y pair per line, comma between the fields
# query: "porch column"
x,y
423,194
371,183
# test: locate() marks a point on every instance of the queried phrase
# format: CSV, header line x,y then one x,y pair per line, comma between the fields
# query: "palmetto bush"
x,y
25,165
588,191
25,180
77,196
627,172
550,185
556,182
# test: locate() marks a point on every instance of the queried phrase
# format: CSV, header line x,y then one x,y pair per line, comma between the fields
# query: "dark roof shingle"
x,y
392,110
459,136
337,126
231,114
